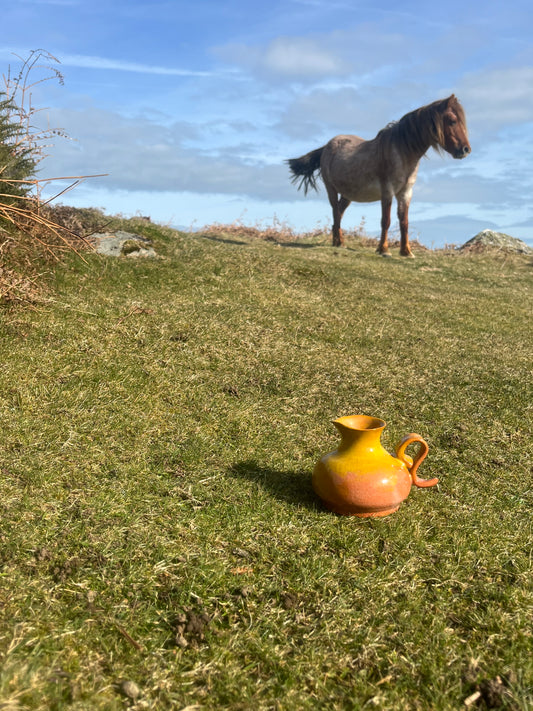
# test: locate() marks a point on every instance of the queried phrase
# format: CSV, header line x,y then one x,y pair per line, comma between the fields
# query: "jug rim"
x,y
360,422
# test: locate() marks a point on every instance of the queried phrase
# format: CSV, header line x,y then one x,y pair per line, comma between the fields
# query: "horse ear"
x,y
452,99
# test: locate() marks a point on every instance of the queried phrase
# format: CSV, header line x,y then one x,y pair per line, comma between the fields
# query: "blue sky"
x,y
191,108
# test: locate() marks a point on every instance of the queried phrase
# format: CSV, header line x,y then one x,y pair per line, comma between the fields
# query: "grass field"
x,y
161,546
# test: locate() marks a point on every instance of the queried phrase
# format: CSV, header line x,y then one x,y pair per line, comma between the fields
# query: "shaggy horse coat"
x,y
385,167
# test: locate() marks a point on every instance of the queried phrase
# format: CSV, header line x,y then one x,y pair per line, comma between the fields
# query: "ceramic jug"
x,y
361,478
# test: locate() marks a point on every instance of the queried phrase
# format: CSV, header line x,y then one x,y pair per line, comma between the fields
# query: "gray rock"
x,y
122,244
498,240
129,689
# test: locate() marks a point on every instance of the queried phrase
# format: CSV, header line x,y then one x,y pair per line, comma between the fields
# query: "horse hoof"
x,y
386,254
409,255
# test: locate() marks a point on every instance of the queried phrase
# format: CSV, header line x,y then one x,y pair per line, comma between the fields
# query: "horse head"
x,y
454,133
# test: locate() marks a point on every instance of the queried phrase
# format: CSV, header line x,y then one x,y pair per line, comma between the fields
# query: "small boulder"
x,y
122,244
496,240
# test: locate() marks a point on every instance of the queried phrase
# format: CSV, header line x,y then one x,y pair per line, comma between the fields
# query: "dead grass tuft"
x,y
19,288
76,222
35,236
276,233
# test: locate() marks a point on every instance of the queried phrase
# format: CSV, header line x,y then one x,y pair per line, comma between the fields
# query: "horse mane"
x,y
418,130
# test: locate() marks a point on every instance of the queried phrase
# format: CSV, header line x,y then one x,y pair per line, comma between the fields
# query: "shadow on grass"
x,y
280,243
297,245
293,487
225,240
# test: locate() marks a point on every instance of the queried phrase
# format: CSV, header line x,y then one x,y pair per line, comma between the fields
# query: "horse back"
x,y
344,146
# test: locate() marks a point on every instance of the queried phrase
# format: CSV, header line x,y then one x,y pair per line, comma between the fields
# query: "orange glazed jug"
x,y
360,478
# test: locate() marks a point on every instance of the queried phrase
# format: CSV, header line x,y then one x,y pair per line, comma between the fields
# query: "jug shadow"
x,y
292,487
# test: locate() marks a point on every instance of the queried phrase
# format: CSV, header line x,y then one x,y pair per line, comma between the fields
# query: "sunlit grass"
x,y
160,422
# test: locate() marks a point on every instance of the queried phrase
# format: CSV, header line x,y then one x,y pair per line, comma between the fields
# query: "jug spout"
x,y
359,423
360,429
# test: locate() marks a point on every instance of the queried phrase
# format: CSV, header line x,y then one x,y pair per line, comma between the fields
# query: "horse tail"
x,y
303,169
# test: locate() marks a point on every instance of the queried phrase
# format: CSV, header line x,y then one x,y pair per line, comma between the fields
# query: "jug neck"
x,y
360,429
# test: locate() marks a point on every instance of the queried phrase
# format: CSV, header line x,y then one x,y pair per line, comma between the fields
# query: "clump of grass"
x,y
27,225
160,422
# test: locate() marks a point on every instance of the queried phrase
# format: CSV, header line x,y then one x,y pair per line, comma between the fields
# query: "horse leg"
x,y
338,206
341,209
403,217
386,204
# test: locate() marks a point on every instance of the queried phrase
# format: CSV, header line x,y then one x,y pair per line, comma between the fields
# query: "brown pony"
x,y
385,167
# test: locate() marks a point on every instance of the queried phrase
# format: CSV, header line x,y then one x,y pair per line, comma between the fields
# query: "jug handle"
x,y
412,466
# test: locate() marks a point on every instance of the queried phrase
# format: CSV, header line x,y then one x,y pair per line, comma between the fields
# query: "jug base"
x,y
377,514
360,514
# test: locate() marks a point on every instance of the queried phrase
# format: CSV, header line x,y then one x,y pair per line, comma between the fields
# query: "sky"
x,y
192,108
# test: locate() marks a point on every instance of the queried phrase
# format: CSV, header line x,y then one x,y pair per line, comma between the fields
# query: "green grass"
x,y
160,422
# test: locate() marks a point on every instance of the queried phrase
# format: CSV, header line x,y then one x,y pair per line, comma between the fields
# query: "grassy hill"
x,y
161,544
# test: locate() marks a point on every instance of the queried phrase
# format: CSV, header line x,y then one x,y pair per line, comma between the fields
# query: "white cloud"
x,y
498,97
449,186
288,57
357,52
348,109
297,57
138,154
90,62
106,63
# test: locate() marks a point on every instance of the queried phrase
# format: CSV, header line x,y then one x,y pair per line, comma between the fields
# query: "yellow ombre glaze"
x,y
360,478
